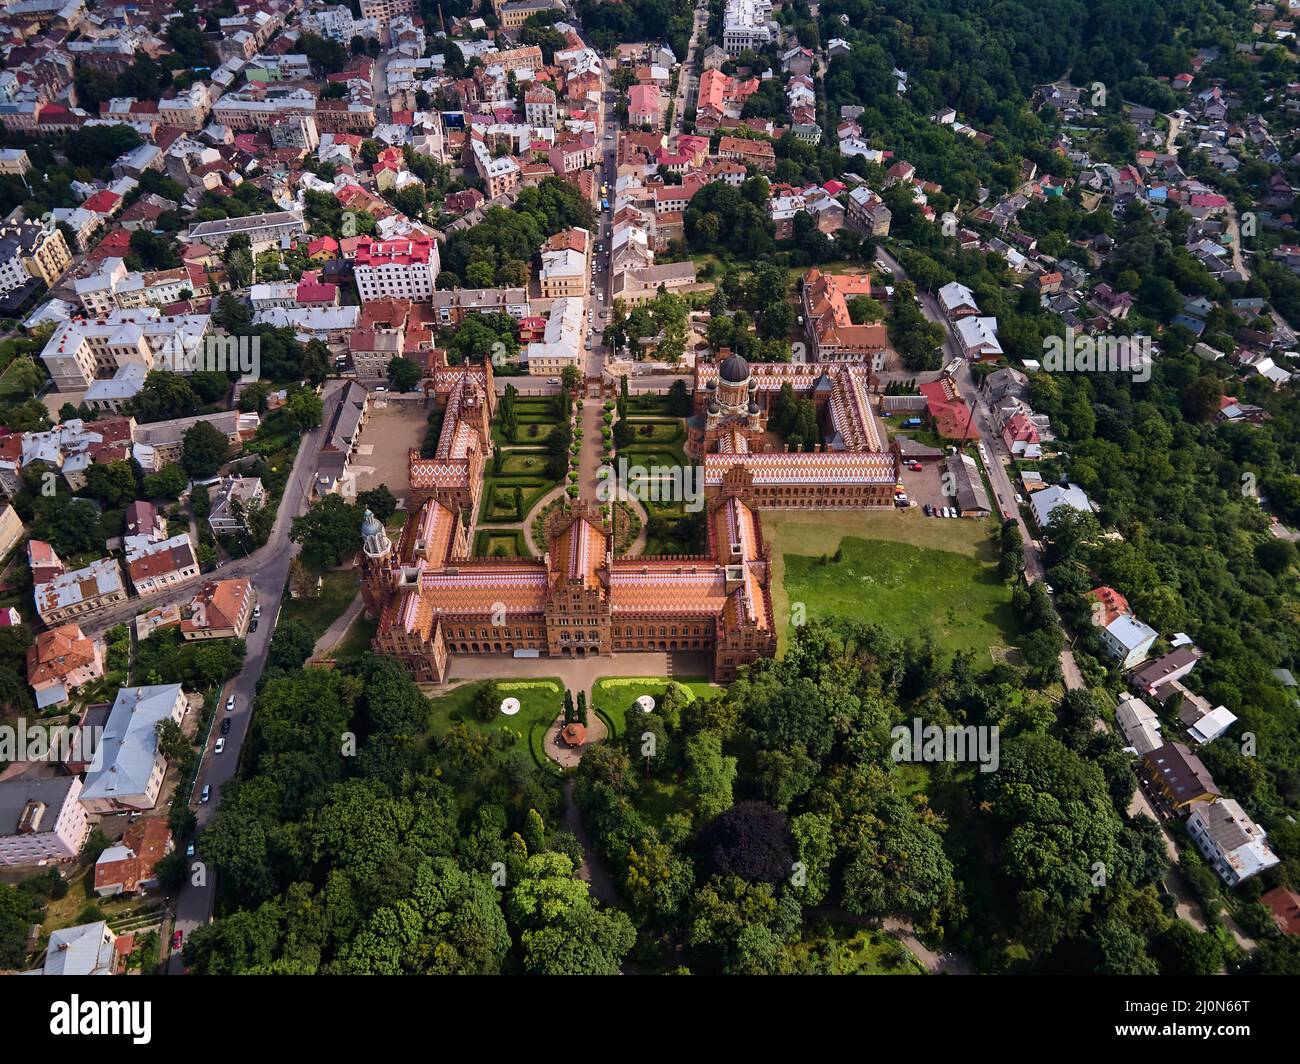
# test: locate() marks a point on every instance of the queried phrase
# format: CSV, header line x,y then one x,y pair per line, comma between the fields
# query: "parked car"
x,y
220,748
225,725
929,510
915,467
253,627
206,794
257,611
230,704
189,850
552,380
177,936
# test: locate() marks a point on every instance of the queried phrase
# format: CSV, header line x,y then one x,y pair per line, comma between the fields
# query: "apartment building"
x,y
158,567
1234,844
221,610
565,264
868,210
746,24
561,344
66,595
400,268
41,820
264,231
85,349
159,443
235,498
129,770
32,250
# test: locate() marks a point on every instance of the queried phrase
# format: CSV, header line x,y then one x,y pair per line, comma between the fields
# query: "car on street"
x,y
552,380
189,850
915,467
177,936
230,704
927,509
205,794
220,748
225,725
253,626
257,611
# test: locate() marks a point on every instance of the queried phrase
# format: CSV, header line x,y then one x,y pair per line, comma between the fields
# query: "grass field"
x,y
500,544
336,592
540,702
614,694
899,570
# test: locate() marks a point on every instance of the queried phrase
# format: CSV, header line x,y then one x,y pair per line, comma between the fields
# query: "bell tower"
x,y
377,552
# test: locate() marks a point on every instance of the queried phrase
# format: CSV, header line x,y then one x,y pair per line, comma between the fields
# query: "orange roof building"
x,y
59,662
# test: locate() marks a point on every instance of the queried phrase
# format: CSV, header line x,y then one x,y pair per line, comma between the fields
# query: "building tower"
x,y
733,385
377,552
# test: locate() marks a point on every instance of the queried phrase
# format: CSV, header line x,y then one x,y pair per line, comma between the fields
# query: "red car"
x,y
915,467
176,939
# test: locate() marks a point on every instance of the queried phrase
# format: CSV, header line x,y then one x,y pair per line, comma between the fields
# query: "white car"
x,y
230,704
220,747
552,380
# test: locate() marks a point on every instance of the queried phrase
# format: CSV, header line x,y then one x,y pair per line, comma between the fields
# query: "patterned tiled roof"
x,y
811,469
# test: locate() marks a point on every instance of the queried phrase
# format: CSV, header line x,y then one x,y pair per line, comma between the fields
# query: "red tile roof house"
x,y
948,411
1019,432
104,203
1108,606
644,108
312,292
128,868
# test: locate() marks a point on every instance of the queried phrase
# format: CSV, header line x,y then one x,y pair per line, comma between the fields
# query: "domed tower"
x,y
755,417
713,412
377,551
733,385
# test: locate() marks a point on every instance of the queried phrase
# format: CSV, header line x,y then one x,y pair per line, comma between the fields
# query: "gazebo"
x,y
574,734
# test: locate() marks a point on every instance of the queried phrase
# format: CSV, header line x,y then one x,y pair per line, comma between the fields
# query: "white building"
x,y
1233,843
87,949
130,767
41,820
562,343
746,24
1048,499
401,268
1128,640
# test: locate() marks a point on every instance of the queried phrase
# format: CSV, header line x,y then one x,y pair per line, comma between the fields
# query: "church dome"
x,y
710,385
714,408
753,406
734,369
371,525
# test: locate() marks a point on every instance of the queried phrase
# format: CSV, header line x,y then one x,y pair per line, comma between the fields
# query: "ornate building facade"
x,y
454,475
728,433
432,600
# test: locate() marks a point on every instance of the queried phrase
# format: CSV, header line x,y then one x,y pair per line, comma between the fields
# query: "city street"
x,y
269,568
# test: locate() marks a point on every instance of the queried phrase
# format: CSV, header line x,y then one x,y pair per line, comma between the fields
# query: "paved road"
x,y
269,568
297,491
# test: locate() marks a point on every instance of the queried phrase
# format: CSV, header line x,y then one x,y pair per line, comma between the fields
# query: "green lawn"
x,y
908,589
615,694
336,592
540,702
500,544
